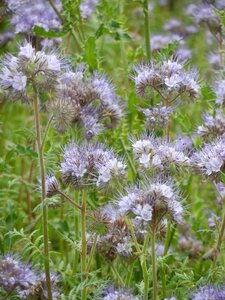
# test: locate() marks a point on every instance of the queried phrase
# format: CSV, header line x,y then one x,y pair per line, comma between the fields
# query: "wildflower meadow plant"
x,y
112,150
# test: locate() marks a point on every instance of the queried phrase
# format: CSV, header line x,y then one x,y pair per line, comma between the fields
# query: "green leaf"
x,y
90,56
48,34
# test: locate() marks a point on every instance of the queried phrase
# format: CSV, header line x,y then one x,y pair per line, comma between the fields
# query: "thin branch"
x,y
70,200
46,131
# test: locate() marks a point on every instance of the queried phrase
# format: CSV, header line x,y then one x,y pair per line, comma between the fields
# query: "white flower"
x,y
144,160
19,82
28,51
53,62
143,212
126,202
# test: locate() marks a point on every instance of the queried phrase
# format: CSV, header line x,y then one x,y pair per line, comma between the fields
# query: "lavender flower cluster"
x,y
151,201
157,153
88,164
30,67
112,293
19,277
29,13
91,101
168,78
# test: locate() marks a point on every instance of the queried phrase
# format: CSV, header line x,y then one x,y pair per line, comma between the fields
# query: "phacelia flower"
x,y
210,160
156,153
16,275
88,163
209,292
152,201
168,78
206,15
87,7
90,101
177,27
26,282
160,41
157,116
118,294
116,239
52,186
213,126
28,13
219,88
29,67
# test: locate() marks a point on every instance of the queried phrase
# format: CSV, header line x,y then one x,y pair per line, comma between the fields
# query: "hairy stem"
x,y
221,235
76,233
133,169
84,242
93,248
46,132
70,200
144,266
154,267
147,31
118,277
166,247
43,193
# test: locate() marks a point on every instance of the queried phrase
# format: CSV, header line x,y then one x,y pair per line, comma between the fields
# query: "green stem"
x,y
129,275
56,10
133,169
147,31
130,226
76,234
93,248
116,273
221,235
46,132
43,193
154,267
166,247
84,242
70,200
144,266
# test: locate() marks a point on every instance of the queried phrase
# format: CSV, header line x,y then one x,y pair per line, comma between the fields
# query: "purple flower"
x,y
210,160
91,101
27,68
27,14
209,292
156,153
213,126
112,293
151,201
87,7
168,78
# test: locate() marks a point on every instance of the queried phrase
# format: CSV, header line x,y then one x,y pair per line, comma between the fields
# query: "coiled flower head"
x,y
210,160
156,153
219,89
112,293
29,67
151,201
89,101
168,78
16,275
90,163
213,126
157,116
87,7
209,292
28,13
114,237
26,282
206,15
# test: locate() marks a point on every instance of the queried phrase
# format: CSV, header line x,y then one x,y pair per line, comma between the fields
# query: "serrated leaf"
x,y
40,31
